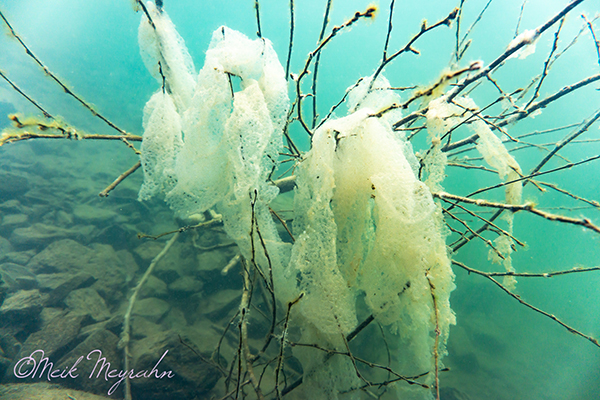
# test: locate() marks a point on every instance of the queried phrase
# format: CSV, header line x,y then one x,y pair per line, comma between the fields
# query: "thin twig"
x,y
207,224
317,60
126,334
289,55
257,8
586,223
520,18
474,234
596,41
120,179
283,343
14,86
536,93
526,304
58,81
368,13
466,35
512,49
408,46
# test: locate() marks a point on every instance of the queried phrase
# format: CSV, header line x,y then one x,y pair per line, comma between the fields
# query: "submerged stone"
x,y
67,285
87,302
41,234
151,308
192,378
17,277
24,304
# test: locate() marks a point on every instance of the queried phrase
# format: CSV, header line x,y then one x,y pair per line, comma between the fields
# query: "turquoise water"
x,y
498,349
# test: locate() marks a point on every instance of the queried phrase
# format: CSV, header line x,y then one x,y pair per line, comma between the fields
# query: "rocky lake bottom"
x,y
68,262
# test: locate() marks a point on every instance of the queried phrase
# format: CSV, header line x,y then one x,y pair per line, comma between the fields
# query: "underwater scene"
x,y
304,199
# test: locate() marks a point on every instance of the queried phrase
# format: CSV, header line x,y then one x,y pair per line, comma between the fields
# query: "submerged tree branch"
x,y
529,207
526,304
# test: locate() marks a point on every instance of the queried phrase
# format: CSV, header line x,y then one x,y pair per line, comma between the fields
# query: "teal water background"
x,y
498,349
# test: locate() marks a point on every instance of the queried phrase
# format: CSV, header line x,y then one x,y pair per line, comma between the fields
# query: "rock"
x,y
168,273
12,185
151,308
93,214
9,349
63,218
185,286
114,325
63,289
43,391
41,234
61,256
117,235
17,277
173,265
48,314
87,302
21,308
20,257
3,291
190,377
142,327
154,287
113,270
49,282
129,263
58,333
14,220
5,246
212,260
175,320
99,344
218,305
148,250
56,336
13,207
4,364
9,344
449,393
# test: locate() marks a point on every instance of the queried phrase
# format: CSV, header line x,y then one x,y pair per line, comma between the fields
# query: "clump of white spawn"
x,y
369,236
162,142
367,227
164,52
208,145
497,156
527,40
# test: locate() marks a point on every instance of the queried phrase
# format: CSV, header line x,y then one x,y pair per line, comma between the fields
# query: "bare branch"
x,y
46,113
58,81
512,49
526,304
317,60
586,223
120,179
596,41
257,8
289,55
368,13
